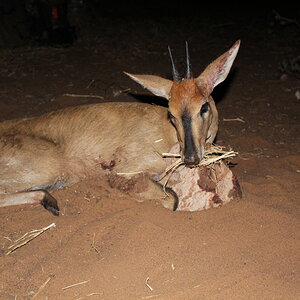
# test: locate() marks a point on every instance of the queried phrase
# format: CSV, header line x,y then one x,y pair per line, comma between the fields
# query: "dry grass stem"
x,y
90,84
42,286
7,238
170,155
212,155
235,119
119,92
75,284
93,245
27,237
94,294
130,173
89,295
169,171
148,285
251,155
85,96
157,141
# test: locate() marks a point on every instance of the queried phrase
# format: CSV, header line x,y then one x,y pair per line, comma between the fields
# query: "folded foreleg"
x,y
33,197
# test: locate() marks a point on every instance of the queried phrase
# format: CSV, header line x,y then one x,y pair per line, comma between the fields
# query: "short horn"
x,y
189,73
175,73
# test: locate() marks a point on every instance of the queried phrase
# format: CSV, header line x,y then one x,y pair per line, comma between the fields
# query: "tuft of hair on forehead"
x,y
185,95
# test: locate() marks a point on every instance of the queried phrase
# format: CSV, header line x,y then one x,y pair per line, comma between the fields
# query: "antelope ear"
x,y
217,71
157,85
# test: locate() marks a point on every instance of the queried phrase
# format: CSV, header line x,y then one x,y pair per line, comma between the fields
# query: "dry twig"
x,y
85,96
75,284
234,119
43,286
148,285
212,155
27,237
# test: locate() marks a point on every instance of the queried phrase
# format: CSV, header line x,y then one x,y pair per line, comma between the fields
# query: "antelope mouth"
x,y
191,162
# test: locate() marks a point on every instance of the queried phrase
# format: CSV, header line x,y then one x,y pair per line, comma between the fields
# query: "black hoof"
x,y
174,196
50,204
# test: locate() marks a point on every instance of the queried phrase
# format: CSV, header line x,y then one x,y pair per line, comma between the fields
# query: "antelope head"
x,y
192,110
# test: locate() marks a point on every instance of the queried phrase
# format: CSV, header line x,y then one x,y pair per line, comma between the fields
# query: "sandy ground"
x,y
106,245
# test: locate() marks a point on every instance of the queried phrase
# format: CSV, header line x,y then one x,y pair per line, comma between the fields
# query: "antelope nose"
x,y
192,160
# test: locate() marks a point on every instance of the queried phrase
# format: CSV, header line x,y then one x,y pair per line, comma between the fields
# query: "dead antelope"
x,y
63,147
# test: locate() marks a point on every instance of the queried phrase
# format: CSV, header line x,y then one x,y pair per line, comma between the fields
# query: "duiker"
x,y
63,147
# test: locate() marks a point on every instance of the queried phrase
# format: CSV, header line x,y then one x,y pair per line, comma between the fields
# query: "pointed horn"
x,y
176,76
189,73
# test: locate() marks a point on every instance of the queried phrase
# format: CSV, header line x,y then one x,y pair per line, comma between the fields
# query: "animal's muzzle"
x,y
191,160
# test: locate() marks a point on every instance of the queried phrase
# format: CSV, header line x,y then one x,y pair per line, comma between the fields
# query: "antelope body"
x,y
63,147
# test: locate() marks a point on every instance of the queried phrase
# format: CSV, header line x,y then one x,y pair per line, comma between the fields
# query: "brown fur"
x,y
66,146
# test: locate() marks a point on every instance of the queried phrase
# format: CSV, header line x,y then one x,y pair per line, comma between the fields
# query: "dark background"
x,y
22,22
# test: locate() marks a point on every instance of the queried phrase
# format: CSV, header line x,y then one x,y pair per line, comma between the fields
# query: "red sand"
x,y
122,249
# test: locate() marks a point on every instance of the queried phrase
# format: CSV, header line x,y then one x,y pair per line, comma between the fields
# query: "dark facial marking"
x,y
190,153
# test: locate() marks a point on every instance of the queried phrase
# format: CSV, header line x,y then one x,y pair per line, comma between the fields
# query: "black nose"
x,y
192,160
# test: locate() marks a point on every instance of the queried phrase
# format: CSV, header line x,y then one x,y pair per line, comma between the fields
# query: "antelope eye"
x,y
204,108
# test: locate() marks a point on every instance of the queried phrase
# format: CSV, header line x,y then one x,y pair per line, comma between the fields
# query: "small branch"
x,y
27,237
